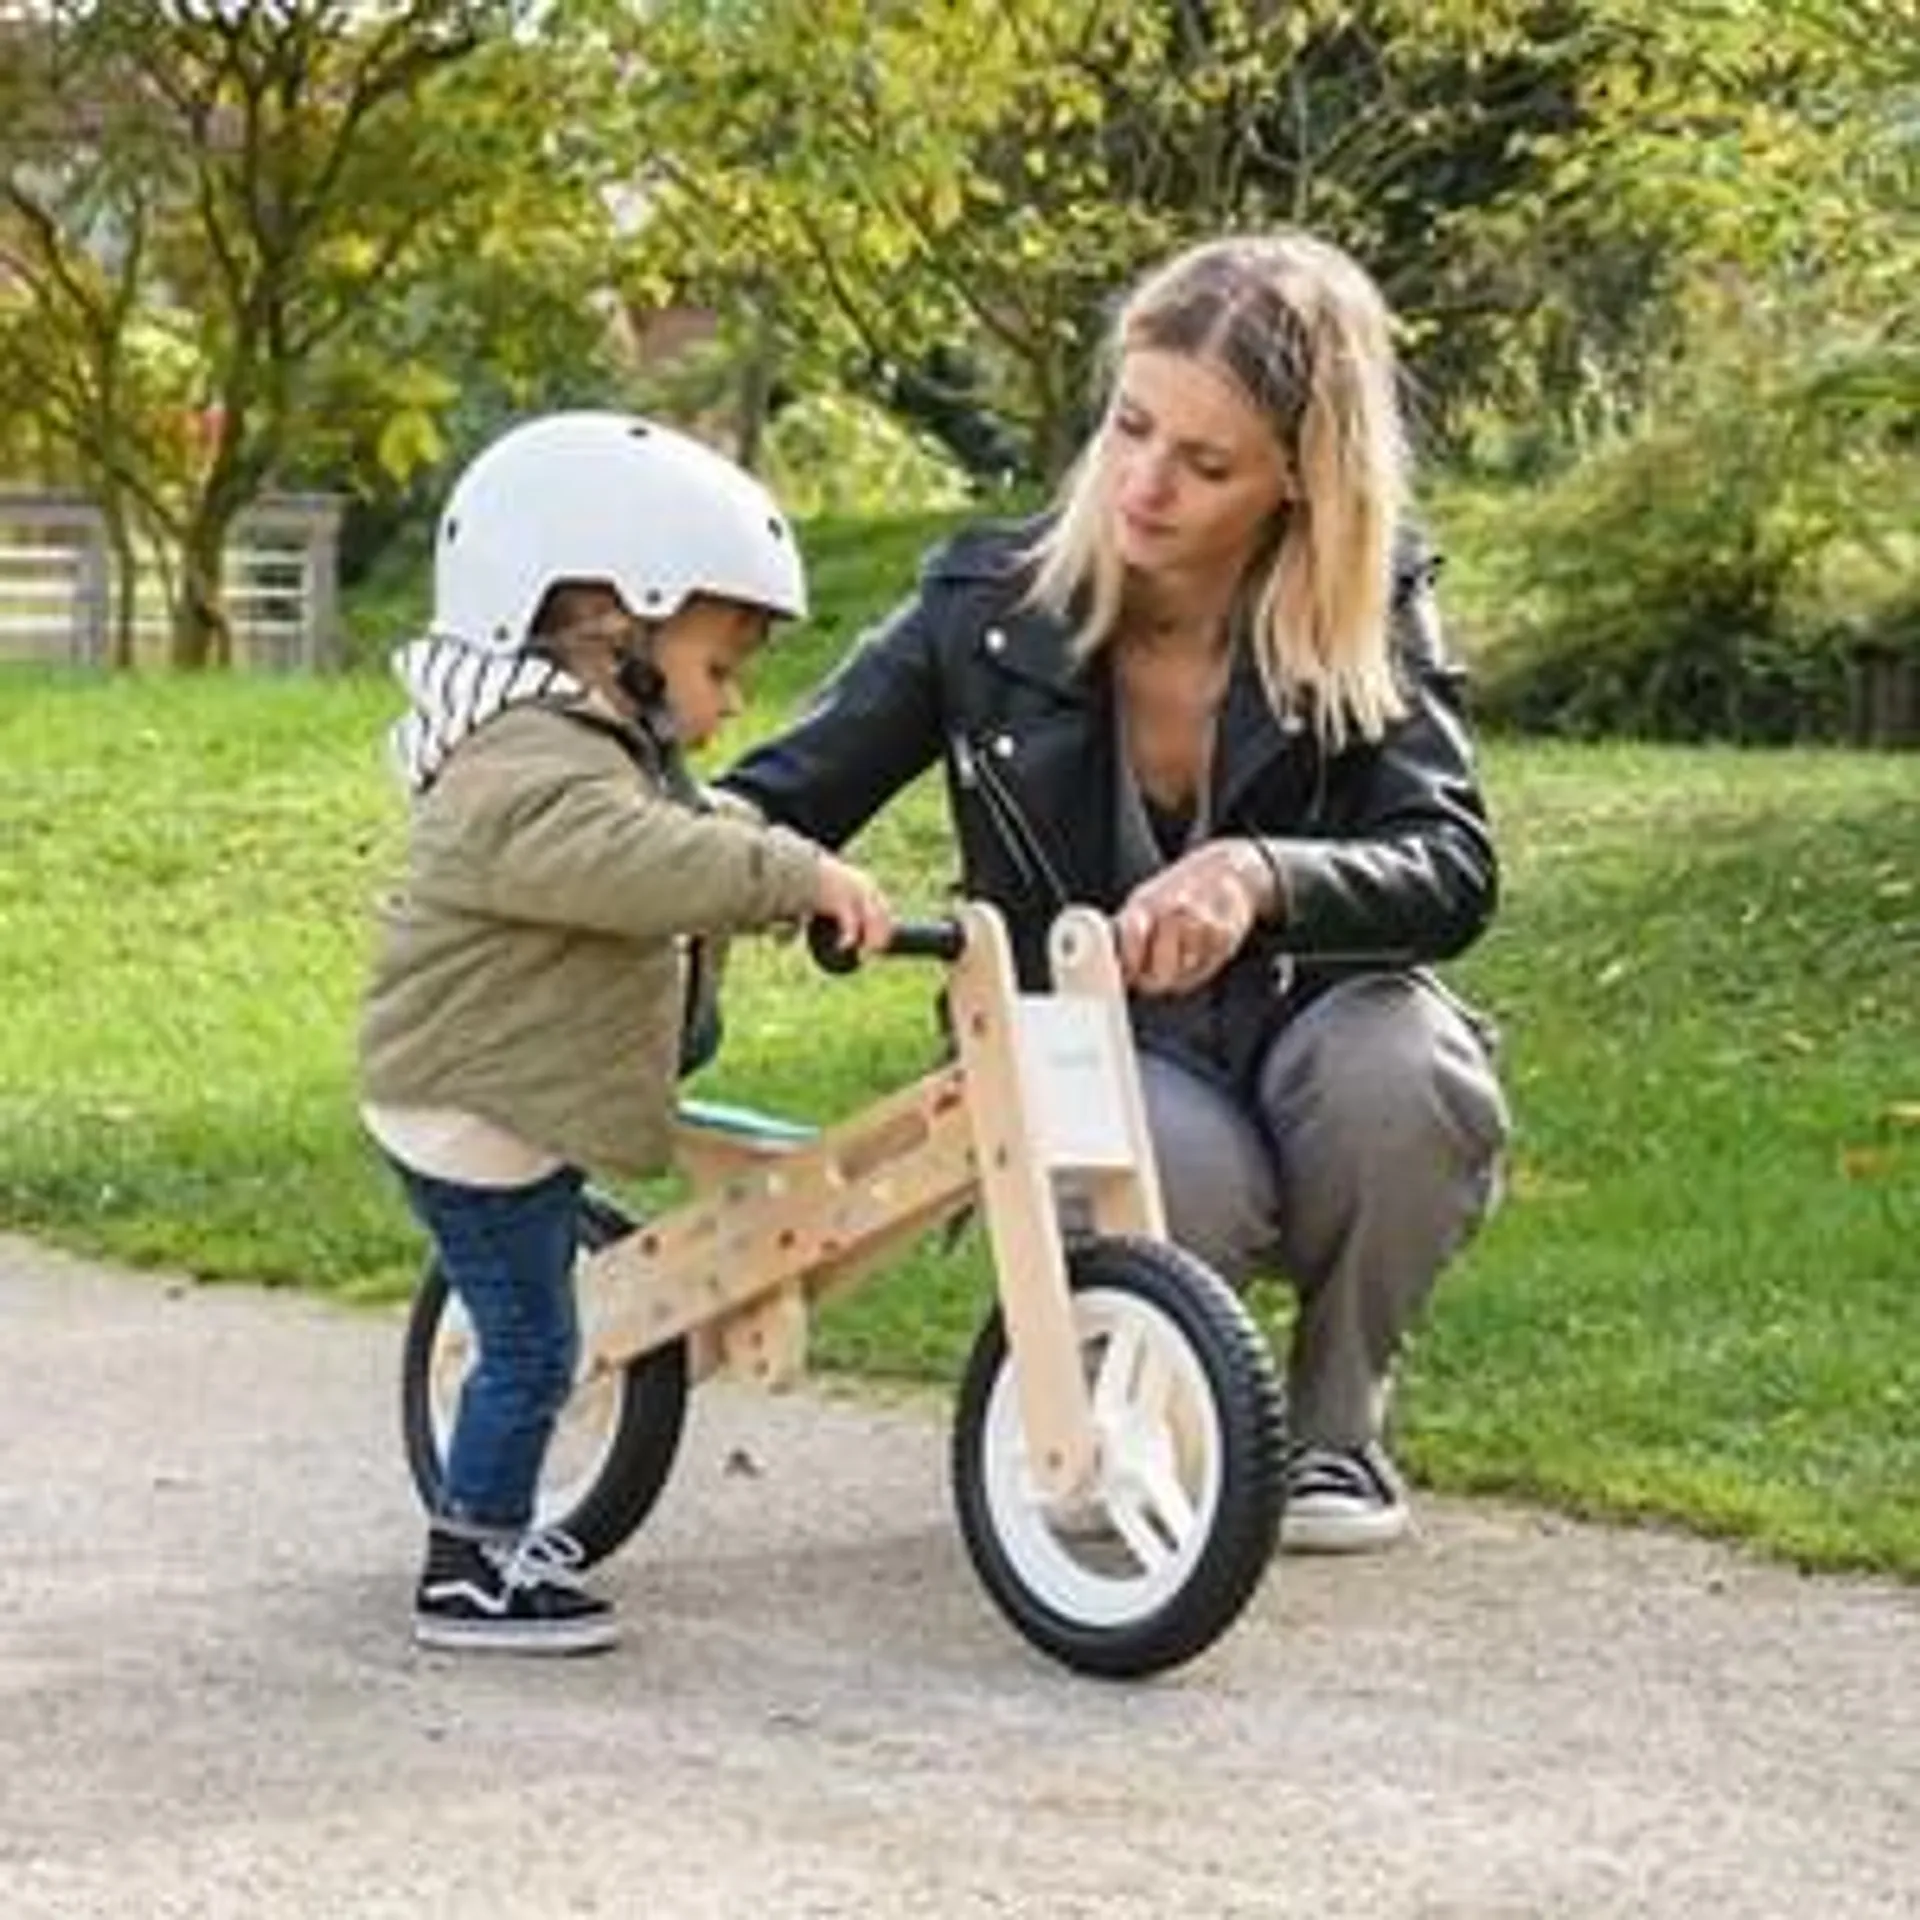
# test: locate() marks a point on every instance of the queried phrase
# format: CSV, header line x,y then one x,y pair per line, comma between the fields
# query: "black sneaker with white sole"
x,y
508,1596
1342,1500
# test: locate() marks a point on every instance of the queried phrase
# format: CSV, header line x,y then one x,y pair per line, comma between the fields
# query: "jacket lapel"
x,y
1030,645
1250,739
1044,736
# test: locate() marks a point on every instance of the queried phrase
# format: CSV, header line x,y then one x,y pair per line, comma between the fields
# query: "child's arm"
x,y
553,826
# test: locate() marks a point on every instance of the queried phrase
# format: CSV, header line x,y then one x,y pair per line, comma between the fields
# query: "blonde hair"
x,y
1304,333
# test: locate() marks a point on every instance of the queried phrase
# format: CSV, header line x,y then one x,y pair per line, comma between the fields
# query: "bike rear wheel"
x,y
618,1432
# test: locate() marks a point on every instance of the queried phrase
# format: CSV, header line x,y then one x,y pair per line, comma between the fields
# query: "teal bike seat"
x,y
743,1123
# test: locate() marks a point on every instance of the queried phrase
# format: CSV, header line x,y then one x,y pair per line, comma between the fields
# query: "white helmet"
x,y
605,497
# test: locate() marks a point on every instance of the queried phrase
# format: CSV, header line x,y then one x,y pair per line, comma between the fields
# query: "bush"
x,y
836,454
1682,583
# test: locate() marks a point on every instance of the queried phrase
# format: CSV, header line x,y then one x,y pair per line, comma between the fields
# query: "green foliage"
x,y
1710,574
1780,141
303,206
1746,522
976,181
885,180
833,453
1768,151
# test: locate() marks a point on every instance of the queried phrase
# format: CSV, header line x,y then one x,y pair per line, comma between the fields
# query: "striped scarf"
x,y
453,689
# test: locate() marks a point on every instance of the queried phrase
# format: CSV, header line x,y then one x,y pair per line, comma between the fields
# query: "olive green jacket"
x,y
529,969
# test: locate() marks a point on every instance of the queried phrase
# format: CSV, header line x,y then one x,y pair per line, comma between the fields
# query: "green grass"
x,y
1702,1301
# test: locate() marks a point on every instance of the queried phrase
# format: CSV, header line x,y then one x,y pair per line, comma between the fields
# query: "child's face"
x,y
702,652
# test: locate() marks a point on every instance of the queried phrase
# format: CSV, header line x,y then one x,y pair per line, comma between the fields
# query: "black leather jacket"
x,y
1384,846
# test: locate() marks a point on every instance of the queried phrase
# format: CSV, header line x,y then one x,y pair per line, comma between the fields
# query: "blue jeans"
x,y
508,1254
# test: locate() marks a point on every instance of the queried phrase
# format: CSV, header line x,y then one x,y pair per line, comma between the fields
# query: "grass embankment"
x,y
1702,1300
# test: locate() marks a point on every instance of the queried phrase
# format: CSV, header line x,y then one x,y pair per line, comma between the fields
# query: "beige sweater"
x,y
528,971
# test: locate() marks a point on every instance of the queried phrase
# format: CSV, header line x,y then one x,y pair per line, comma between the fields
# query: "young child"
x,y
599,586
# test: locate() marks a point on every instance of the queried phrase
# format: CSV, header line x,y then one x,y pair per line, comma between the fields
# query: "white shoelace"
x,y
546,1559
1334,1474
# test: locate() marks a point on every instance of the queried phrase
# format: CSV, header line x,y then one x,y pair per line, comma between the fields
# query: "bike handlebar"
x,y
946,939
912,940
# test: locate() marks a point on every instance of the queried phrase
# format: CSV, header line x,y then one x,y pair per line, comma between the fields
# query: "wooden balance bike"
x,y
1117,1440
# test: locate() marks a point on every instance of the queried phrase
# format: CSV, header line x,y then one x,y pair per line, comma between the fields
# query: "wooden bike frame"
x,y
1043,1085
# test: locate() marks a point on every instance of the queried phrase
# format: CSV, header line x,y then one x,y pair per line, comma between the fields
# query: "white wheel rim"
x,y
582,1440
1122,1550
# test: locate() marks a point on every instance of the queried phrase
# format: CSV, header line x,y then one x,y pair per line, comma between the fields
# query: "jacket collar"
x,y
1034,645
1030,644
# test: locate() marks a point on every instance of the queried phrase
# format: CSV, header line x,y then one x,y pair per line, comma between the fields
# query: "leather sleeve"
x,y
1404,869
873,726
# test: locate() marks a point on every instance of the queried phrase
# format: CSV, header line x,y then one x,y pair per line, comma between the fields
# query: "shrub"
x,y
1681,584
836,454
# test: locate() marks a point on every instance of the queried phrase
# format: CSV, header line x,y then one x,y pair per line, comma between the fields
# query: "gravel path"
x,y
209,1705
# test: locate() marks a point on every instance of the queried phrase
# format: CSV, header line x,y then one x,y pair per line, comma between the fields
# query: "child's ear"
x,y
639,678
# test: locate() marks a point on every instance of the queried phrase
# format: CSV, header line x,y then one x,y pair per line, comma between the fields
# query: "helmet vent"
x,y
452,532
639,430
776,528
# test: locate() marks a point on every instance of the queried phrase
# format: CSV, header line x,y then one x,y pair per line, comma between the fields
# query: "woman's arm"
x,y
1405,866
869,730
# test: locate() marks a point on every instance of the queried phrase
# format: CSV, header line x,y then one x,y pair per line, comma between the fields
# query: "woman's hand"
x,y
1177,930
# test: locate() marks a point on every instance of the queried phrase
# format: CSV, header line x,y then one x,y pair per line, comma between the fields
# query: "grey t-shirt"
x,y
1217,1029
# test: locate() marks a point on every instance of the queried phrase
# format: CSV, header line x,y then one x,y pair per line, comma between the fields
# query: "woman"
x,y
1208,692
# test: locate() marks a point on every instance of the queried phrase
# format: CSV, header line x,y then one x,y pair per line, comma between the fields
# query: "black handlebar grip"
x,y
912,940
823,942
928,940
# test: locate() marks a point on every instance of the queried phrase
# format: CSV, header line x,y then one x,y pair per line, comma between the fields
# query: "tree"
x,y
969,183
222,223
1764,156
1720,564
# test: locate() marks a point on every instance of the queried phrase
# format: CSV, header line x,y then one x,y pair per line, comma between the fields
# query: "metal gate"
x,y
58,588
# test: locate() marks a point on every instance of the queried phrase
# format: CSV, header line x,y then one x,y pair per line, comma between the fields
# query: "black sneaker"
x,y
1342,1500
508,1596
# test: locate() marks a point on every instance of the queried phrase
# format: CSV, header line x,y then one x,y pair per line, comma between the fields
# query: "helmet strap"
x,y
640,680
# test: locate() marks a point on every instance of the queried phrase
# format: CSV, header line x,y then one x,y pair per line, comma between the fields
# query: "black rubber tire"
x,y
1237,1367
646,1428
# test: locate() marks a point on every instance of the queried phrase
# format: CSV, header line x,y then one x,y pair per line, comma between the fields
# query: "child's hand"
x,y
855,905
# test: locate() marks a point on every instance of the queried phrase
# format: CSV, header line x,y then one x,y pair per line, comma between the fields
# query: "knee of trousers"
x,y
1216,1172
530,1385
1384,1080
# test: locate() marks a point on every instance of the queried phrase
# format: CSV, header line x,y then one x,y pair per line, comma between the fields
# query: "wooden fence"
x,y
59,590
1884,696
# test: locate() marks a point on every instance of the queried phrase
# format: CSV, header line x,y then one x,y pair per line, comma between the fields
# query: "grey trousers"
x,y
1373,1157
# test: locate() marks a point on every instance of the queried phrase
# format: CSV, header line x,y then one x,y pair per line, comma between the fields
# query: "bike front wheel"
x,y
1156,1557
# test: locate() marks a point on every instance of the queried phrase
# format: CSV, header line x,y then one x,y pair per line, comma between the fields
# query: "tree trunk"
x,y
201,635
125,575
754,392
1062,420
